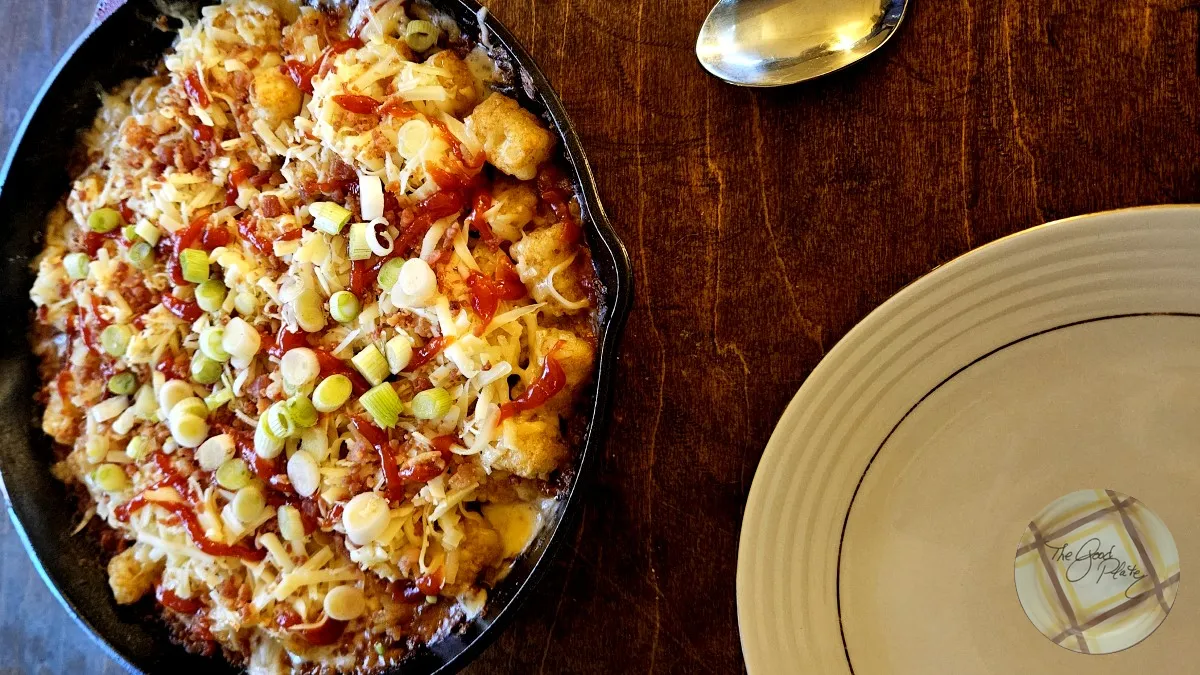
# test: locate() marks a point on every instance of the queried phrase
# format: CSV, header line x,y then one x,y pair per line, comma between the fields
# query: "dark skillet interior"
x,y
35,177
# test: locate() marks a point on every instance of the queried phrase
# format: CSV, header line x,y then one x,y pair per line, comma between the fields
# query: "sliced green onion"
x,y
389,274
76,265
383,405
248,504
218,398
233,475
399,353
194,262
148,231
279,421
302,411
111,478
138,448
122,383
344,306
211,340
96,448
241,340
205,370
104,220
371,364
130,233
332,393
290,524
141,255
420,35
303,472
215,452
192,405
115,339
299,366
266,444
310,313
359,249
210,294
431,404
245,303
188,431
328,217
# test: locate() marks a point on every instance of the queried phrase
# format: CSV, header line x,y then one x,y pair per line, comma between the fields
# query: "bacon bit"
x,y
387,457
195,91
167,598
431,583
270,207
63,382
332,365
184,309
194,529
426,353
286,341
555,190
329,632
549,382
469,166
357,103
202,133
175,369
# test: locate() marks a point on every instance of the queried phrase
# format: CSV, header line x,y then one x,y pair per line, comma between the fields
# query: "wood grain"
x,y
762,226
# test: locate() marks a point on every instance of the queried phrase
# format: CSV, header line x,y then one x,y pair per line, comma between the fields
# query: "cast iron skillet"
x,y
34,178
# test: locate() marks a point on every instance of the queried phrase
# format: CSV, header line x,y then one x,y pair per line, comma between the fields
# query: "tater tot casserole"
x,y
315,322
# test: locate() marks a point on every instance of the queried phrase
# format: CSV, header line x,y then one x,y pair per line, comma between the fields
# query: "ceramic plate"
x,y
996,471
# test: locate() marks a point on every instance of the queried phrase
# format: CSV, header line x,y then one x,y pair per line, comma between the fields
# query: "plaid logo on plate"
x,y
1097,571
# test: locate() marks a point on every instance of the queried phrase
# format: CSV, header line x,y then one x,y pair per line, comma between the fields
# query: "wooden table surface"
x,y
762,225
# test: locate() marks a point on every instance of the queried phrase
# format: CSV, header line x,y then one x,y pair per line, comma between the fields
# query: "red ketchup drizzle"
x,y
548,383
195,530
167,598
382,442
93,241
239,175
487,292
332,365
202,133
184,309
329,632
174,369
431,583
422,472
426,353
396,107
303,74
555,191
443,444
478,223
196,232
286,341
265,469
191,84
249,232
357,103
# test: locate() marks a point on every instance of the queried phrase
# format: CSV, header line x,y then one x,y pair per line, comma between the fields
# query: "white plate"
x,y
1064,358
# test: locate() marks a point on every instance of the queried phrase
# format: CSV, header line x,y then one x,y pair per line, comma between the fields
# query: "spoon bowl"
x,y
771,43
